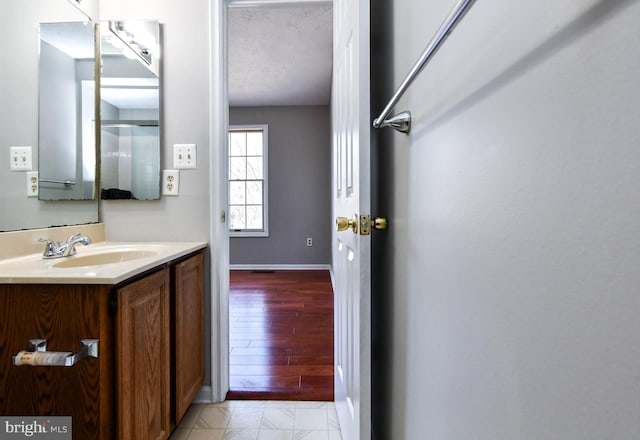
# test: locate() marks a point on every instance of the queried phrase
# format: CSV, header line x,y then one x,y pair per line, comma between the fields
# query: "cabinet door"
x,y
189,332
143,363
63,315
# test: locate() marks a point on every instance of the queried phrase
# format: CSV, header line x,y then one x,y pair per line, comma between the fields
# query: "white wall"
x,y
510,303
185,119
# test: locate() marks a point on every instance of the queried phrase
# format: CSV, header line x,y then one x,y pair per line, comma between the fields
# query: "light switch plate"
x,y
20,158
184,156
170,182
33,183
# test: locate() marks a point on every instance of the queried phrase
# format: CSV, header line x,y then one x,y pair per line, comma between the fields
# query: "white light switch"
x,y
20,158
170,182
184,156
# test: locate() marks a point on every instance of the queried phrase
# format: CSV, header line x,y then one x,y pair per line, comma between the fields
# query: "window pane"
x,y
247,172
237,168
254,143
254,168
254,217
237,217
237,193
237,143
254,193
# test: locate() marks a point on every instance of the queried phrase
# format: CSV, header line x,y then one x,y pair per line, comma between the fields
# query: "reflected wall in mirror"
x,y
130,110
67,142
19,26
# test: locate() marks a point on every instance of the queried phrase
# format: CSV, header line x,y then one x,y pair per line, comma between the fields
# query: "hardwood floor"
x,y
281,335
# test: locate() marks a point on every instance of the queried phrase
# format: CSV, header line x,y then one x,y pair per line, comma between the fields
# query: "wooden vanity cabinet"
x,y
188,325
142,357
150,363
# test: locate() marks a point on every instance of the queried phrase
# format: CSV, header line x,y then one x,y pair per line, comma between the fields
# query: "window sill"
x,y
248,233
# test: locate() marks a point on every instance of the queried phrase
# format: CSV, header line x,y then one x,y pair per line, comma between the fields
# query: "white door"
x,y
351,199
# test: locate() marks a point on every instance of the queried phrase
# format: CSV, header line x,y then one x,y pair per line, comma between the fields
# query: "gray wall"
x,y
299,159
507,305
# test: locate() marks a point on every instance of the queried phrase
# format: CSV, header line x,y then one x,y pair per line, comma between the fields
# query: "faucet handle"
x,y
50,247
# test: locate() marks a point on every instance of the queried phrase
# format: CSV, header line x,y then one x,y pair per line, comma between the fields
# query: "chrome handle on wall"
x,y
37,354
61,182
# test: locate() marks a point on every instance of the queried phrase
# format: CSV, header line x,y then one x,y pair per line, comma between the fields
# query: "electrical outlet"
x,y
170,182
32,183
184,156
309,241
20,158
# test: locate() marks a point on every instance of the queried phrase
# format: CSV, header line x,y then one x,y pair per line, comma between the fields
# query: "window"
x,y
248,214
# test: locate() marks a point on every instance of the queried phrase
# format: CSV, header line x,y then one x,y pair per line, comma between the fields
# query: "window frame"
x,y
264,232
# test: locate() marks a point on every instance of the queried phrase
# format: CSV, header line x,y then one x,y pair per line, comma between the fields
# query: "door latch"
x,y
379,223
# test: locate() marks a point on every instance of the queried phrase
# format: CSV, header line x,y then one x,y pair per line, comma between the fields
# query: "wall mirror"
x,y
19,113
130,110
67,111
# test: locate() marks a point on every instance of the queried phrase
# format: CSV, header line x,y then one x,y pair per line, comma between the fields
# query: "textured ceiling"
x,y
280,55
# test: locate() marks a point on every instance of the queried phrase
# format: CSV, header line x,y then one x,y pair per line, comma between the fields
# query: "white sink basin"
x,y
104,258
97,263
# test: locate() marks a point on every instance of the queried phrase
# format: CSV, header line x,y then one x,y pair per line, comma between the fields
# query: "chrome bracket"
x,y
400,122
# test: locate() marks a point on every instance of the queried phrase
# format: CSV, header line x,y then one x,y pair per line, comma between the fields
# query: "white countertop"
x,y
33,269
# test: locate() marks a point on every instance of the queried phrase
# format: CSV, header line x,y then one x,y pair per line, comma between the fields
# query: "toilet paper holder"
x,y
38,355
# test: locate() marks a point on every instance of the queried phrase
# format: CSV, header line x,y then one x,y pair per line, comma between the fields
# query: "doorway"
x,y
280,67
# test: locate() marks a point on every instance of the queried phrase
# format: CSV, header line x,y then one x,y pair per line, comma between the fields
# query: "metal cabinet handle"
x,y
37,354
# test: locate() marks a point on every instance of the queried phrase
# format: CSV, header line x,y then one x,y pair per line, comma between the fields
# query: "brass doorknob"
x,y
344,223
380,223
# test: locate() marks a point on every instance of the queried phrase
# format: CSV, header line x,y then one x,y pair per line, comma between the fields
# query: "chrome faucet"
x,y
57,250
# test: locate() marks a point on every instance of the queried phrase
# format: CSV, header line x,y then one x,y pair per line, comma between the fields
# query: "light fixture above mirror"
x,y
135,39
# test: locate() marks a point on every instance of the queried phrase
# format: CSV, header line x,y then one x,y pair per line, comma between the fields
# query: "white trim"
x,y
219,234
204,395
280,267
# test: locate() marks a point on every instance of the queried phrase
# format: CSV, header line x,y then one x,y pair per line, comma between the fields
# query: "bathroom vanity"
x,y
142,302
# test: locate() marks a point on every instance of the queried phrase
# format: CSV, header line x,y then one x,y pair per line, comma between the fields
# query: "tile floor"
x,y
259,420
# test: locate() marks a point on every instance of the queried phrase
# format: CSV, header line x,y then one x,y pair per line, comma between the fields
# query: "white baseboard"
x,y
280,267
204,395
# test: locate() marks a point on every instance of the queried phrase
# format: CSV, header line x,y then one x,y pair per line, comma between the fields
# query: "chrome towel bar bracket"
x,y
402,121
